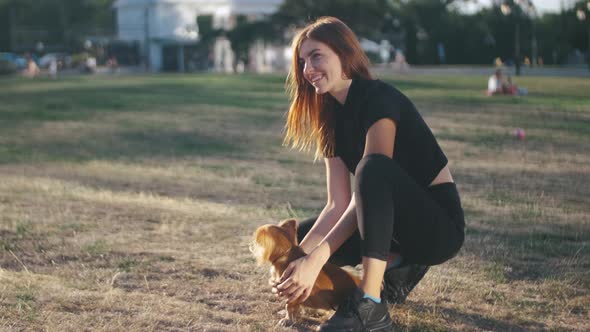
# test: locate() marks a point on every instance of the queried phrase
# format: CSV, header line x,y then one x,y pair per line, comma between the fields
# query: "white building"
x,y
165,30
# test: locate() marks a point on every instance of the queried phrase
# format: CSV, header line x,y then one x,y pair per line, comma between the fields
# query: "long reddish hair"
x,y
309,121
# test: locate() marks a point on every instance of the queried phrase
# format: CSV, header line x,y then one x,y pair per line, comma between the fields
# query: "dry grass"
x,y
128,204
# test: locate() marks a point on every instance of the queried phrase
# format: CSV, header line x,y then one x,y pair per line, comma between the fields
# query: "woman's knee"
x,y
447,248
374,168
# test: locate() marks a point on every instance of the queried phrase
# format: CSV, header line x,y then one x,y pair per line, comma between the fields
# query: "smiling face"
x,y
322,69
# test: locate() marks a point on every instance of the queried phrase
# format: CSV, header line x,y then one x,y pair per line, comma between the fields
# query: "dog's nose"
x,y
252,246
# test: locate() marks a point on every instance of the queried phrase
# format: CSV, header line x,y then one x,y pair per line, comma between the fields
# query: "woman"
x,y
404,207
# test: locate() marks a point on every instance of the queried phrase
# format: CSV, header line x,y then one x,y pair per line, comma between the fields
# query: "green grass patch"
x,y
96,248
127,264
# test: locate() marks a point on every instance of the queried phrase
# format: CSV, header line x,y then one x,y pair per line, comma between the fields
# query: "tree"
x,y
62,23
426,23
364,17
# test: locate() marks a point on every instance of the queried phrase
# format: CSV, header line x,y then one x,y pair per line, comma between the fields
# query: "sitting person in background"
x,y
32,69
113,64
497,86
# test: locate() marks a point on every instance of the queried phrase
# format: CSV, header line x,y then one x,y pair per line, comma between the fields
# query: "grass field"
x,y
127,203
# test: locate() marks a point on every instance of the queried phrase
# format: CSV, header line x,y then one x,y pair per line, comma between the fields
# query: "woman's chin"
x,y
320,90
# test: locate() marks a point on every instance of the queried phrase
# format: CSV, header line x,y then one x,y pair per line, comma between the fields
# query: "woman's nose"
x,y
307,68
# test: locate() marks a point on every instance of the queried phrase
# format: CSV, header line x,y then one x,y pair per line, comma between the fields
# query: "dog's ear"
x,y
263,245
290,225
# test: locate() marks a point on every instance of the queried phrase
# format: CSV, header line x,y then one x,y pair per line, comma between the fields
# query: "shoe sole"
x,y
386,326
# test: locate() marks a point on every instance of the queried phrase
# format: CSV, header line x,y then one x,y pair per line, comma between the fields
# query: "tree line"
x,y
428,31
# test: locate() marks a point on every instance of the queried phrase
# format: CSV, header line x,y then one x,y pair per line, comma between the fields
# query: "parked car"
x,y
19,61
63,60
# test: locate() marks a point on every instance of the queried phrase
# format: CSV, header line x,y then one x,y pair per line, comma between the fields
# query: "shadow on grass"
x,y
240,107
127,145
537,254
527,240
404,85
473,320
82,104
565,123
560,139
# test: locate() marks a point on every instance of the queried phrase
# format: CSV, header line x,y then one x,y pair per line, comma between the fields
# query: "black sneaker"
x,y
399,282
358,314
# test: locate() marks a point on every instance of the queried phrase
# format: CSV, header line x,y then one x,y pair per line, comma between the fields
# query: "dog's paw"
x,y
285,322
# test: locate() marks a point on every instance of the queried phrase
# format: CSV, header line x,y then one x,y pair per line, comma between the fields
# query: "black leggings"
x,y
395,214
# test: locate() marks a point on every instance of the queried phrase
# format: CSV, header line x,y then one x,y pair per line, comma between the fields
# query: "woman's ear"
x,y
345,70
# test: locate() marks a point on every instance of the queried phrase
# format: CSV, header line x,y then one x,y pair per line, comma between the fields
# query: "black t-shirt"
x,y
415,149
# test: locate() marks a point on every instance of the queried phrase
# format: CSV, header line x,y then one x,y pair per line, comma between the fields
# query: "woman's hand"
x,y
298,279
274,281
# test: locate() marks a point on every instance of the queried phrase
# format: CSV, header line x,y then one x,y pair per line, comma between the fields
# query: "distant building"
x,y
168,33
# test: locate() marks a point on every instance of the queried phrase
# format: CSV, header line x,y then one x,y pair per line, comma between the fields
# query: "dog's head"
x,y
272,241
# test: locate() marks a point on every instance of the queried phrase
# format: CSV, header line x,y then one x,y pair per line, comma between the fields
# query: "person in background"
x,y
53,68
32,69
498,86
495,84
113,64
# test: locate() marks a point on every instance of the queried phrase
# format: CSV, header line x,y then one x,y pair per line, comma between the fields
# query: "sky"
x,y
543,6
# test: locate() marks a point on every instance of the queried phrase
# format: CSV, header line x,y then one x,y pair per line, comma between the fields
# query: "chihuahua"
x,y
277,245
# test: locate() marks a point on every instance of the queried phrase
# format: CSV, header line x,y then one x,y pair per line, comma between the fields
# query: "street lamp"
x,y
39,47
533,14
583,14
519,8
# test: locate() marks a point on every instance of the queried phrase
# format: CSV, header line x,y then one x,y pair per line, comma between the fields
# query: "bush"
x,y
7,67
79,59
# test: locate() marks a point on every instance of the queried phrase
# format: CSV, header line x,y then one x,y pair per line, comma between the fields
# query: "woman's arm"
x,y
298,279
339,196
380,139
344,228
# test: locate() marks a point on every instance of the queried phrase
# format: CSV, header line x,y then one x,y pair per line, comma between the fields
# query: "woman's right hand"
x,y
273,282
298,279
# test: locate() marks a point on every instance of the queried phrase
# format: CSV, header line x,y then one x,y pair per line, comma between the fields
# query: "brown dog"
x,y
277,245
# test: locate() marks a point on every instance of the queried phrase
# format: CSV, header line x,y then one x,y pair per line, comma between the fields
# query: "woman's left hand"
x,y
298,279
